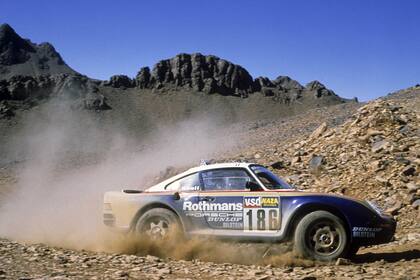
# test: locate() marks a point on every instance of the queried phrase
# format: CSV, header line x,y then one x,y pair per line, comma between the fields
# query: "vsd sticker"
x,y
252,202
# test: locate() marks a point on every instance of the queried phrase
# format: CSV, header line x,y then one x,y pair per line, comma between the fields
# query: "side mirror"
x,y
252,186
177,196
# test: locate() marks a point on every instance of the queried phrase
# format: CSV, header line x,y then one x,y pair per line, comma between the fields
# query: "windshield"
x,y
269,180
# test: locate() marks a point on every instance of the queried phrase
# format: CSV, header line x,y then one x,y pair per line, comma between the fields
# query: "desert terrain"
x,y
66,139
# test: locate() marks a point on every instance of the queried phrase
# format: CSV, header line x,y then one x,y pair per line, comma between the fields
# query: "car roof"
x,y
161,186
218,165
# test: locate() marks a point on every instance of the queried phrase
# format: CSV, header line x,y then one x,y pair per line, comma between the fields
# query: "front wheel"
x,y
321,236
157,223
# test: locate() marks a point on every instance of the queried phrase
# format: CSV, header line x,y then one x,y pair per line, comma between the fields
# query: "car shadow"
x,y
387,256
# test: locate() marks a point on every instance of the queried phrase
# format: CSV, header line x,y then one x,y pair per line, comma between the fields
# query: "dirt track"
x,y
397,260
20,261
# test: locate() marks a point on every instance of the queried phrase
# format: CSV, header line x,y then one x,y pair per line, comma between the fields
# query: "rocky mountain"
x,y
211,74
20,56
33,73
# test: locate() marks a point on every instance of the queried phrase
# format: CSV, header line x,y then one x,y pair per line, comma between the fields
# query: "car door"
x,y
188,188
222,197
228,205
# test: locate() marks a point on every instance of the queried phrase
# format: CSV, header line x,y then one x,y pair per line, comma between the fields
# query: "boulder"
x,y
267,91
316,162
143,77
120,81
409,170
5,110
379,146
319,131
278,165
262,82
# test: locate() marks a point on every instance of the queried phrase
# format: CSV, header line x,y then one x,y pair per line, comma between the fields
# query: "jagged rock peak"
x,y
13,49
211,74
8,33
315,85
20,56
319,89
287,83
206,73
261,82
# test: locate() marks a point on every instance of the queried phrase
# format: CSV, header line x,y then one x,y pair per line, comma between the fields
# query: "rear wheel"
x,y
321,236
157,223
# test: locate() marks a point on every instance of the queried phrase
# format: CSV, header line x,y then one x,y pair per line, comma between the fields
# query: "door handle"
x,y
207,198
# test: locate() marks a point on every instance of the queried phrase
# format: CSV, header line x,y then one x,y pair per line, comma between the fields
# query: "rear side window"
x,y
225,179
188,183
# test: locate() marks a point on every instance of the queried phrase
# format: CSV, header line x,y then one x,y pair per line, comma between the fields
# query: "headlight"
x,y
374,207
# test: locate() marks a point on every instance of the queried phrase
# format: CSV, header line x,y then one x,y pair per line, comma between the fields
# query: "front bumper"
x,y
388,225
381,231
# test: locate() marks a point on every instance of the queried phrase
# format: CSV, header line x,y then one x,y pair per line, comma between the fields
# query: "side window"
x,y
188,183
225,179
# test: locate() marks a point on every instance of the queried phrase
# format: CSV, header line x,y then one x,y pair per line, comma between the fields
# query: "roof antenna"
x,y
204,162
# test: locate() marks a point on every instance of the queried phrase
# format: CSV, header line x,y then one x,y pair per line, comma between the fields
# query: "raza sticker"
x,y
261,213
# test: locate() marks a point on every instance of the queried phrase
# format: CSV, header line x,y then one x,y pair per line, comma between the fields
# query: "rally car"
x,y
245,201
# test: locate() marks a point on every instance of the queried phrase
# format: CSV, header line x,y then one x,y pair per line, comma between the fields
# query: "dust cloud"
x,y
72,157
175,246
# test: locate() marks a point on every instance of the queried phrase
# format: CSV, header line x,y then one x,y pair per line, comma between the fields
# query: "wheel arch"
x,y
308,208
150,206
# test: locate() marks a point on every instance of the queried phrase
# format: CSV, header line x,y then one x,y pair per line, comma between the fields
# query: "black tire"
x,y
321,236
157,223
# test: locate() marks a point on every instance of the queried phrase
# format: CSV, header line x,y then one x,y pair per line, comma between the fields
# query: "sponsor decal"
x,y
191,188
269,202
261,213
261,202
232,225
209,206
223,215
252,202
365,232
215,214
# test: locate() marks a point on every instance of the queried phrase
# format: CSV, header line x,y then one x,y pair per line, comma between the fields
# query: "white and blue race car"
x,y
247,202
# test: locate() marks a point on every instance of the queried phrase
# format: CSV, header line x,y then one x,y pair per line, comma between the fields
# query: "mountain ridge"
x,y
32,73
206,73
211,74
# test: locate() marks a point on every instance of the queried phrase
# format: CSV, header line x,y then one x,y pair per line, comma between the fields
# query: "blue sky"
x,y
358,48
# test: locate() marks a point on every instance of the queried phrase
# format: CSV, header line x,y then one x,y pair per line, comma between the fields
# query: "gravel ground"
x,y
20,261
397,260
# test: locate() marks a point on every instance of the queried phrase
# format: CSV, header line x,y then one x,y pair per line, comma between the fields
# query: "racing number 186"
x,y
262,219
